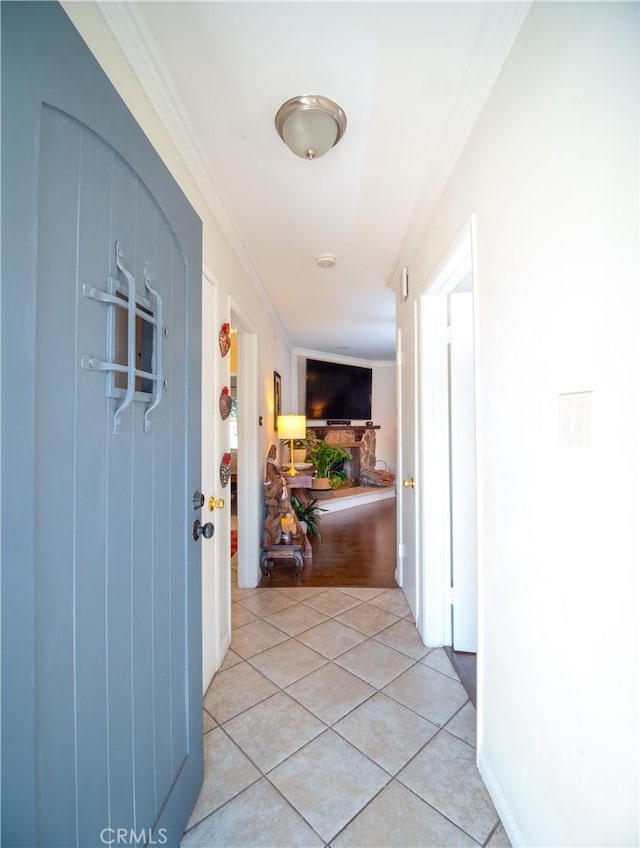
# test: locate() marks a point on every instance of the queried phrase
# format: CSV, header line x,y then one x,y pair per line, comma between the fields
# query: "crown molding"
x,y
343,360
127,24
492,48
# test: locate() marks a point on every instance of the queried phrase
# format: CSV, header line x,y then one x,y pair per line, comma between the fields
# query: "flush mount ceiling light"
x,y
310,125
326,260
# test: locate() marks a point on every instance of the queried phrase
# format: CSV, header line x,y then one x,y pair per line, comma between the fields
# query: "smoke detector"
x,y
326,260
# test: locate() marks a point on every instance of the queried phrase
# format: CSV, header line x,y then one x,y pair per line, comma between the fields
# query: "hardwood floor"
x,y
358,548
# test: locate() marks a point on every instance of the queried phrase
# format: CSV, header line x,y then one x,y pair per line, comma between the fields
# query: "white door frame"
x,y
216,602
409,555
462,457
434,436
249,475
216,560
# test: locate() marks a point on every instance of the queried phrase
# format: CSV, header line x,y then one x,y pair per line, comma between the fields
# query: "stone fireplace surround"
x,y
360,441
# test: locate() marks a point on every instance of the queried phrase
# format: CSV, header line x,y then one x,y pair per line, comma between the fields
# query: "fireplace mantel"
x,y
359,429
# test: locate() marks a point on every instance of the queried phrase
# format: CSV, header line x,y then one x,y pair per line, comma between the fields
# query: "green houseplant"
x,y
325,457
308,514
301,447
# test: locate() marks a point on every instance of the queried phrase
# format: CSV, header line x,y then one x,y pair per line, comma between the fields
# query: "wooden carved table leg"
x,y
264,568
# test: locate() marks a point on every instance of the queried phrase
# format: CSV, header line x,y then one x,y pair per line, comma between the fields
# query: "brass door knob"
x,y
215,503
409,484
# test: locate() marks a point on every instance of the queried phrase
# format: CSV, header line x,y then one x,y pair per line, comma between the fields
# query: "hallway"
x,y
329,723
358,548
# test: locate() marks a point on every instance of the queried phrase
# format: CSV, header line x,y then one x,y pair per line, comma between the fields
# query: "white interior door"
x,y
435,437
408,543
216,592
250,455
463,473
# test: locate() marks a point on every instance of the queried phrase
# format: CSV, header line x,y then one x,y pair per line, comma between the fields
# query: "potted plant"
x,y
301,447
325,457
299,451
307,515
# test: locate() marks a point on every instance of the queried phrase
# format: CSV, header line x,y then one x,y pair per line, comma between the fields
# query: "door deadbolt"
x,y
197,500
409,484
215,503
206,530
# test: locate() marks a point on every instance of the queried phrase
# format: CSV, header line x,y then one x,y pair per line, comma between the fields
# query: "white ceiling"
x,y
411,77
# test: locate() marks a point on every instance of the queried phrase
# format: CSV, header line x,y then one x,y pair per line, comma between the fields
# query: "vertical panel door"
x,y
101,455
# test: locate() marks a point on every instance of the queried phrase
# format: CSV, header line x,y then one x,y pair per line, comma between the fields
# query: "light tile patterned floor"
x,y
330,724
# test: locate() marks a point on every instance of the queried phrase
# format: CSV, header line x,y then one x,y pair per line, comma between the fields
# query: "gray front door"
x,y
101,630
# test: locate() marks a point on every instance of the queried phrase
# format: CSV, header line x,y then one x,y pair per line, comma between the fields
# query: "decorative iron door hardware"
x,y
124,296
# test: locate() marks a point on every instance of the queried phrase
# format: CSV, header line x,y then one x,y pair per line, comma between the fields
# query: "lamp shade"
x,y
310,125
292,426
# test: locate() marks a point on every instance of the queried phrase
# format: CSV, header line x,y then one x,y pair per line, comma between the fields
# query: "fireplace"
x,y
360,441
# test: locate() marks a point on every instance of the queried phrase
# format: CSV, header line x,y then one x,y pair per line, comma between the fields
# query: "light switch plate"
x,y
574,419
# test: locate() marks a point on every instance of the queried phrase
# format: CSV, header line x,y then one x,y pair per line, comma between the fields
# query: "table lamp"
x,y
292,427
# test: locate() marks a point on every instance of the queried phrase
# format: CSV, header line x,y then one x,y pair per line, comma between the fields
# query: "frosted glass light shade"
x,y
292,427
310,125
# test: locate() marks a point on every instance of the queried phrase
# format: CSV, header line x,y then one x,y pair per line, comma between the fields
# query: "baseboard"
x,y
500,802
226,644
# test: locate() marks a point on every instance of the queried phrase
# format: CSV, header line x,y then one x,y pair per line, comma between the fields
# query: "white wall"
x,y
551,170
383,413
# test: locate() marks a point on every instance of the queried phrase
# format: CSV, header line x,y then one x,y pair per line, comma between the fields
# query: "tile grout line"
x,y
356,814
493,830
392,777
366,638
266,774
377,690
444,815
331,726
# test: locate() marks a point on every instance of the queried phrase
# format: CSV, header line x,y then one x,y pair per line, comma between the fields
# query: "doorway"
x,y
448,426
408,495
217,435
462,485
248,505
462,468
236,407
216,626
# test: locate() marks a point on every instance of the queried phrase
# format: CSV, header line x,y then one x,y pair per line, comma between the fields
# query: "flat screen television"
x,y
335,390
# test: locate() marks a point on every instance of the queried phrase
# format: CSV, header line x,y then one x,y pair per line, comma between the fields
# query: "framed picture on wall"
x,y
277,399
